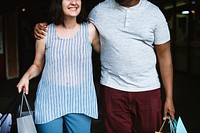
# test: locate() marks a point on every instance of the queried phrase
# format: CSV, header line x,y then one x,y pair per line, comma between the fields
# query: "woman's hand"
x,y
23,85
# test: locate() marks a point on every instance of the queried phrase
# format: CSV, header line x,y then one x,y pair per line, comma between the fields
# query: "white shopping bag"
x,y
25,123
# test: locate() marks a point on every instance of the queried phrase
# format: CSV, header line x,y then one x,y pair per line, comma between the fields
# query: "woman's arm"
x,y
94,38
35,69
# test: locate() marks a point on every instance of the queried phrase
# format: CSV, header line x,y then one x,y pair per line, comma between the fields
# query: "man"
x,y
134,34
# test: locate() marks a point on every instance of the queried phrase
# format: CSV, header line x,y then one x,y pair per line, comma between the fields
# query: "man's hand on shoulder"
x,y
40,30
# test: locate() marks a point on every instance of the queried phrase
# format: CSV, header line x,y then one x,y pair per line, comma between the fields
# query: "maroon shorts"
x,y
131,112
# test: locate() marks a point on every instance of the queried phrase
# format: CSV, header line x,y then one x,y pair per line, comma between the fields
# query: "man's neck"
x,y
129,3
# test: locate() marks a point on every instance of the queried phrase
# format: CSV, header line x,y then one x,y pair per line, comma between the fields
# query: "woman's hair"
x,y
57,16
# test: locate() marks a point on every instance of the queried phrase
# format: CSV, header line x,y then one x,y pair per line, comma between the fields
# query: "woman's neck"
x,y
70,23
68,30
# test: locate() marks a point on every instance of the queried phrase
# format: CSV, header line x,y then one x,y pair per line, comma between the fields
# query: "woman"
x,y
65,94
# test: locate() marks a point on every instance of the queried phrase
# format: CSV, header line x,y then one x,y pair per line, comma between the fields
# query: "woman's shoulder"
x,y
90,25
51,25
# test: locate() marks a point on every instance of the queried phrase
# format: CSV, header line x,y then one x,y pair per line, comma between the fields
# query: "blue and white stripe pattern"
x,y
66,85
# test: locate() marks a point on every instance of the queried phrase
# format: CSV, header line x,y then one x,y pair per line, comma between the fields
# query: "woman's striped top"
x,y
66,84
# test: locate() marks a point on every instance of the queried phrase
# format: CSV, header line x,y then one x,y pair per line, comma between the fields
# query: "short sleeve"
x,y
161,32
92,15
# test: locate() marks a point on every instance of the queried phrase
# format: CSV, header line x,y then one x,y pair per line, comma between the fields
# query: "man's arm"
x,y
163,52
40,30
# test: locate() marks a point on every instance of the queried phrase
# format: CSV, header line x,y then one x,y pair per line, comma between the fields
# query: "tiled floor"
x,y
186,100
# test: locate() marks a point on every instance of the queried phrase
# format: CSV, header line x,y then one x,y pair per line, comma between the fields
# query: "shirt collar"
x,y
112,2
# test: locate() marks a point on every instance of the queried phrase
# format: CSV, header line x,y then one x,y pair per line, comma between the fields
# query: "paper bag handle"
x,y
27,104
172,125
161,128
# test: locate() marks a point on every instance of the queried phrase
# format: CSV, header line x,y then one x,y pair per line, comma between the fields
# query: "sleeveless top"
x,y
66,84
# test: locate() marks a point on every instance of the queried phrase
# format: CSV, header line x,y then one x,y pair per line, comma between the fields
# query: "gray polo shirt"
x,y
128,36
